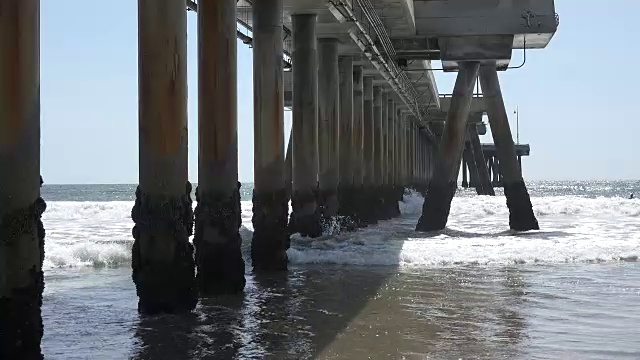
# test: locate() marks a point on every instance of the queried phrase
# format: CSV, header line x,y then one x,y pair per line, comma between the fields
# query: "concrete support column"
x,y
443,184
397,169
422,151
490,169
397,153
458,167
520,163
162,257
403,146
21,207
379,119
521,216
272,171
424,179
392,197
305,217
410,152
478,156
412,155
391,131
467,158
465,180
371,114
474,180
217,239
357,160
431,163
402,149
384,155
420,160
426,163
328,126
346,189
418,156
288,167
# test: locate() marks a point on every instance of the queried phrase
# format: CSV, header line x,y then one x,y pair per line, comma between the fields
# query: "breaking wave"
x,y
575,229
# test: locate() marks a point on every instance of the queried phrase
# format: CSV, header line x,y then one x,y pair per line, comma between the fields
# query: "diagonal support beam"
x,y
442,186
521,216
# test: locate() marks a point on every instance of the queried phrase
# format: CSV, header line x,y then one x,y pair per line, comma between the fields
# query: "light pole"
x,y
517,125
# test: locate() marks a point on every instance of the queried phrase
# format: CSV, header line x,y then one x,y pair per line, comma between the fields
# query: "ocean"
x,y
473,291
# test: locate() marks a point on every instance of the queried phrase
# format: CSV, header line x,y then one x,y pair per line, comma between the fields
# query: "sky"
x,y
576,98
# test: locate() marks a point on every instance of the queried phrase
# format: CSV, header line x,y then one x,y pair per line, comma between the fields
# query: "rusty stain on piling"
x,y
12,70
163,81
277,119
218,53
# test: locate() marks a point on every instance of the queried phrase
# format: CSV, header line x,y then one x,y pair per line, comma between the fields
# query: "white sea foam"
x,y
575,229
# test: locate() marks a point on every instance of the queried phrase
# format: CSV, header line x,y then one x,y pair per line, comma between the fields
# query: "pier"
x,y
368,123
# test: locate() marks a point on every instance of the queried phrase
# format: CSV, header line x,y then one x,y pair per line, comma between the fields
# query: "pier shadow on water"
x,y
346,311
295,315
314,311
280,317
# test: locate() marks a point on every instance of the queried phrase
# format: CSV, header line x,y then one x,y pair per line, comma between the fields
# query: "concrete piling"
x,y
21,207
495,172
474,180
426,151
272,174
328,128
478,158
397,154
288,168
389,133
162,257
358,198
443,184
465,178
379,119
521,216
520,162
347,150
305,217
384,163
491,170
468,162
391,198
404,144
217,239
424,163
419,161
370,119
403,150
412,153
414,150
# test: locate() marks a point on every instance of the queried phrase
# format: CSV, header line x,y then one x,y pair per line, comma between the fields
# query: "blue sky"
x,y
577,98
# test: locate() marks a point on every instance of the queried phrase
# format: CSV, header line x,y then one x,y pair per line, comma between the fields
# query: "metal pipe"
x,y
524,61
379,61
193,6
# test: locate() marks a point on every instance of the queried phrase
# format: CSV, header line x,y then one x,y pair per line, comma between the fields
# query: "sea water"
x,y
475,290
